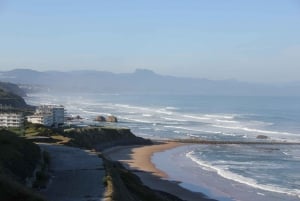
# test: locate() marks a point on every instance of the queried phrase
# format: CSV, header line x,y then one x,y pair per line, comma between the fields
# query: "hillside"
x,y
10,99
11,95
98,138
18,159
12,88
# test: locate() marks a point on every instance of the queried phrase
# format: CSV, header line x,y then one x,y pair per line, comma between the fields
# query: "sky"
x,y
248,40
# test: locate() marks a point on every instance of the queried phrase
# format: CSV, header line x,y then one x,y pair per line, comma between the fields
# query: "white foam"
x,y
133,107
171,108
256,130
137,120
173,119
146,128
163,111
241,179
285,153
219,116
90,112
197,117
229,134
258,193
226,121
191,135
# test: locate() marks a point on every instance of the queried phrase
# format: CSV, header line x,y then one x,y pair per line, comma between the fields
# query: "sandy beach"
x,y
138,159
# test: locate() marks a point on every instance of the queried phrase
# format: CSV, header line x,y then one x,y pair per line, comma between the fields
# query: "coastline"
x,y
138,160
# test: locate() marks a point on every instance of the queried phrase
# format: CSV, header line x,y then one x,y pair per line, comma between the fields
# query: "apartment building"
x,y
9,120
44,119
48,115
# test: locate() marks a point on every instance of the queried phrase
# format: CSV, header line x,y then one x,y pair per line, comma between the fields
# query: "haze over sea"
x,y
240,172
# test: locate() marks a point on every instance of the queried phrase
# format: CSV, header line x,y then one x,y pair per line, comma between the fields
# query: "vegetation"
x,y
40,130
18,160
13,88
42,176
122,184
10,190
13,100
102,137
18,156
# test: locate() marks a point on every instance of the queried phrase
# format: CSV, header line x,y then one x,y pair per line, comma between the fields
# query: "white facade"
x,y
11,120
44,119
48,115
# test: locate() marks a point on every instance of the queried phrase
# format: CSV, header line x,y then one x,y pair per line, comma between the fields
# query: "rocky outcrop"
x,y
111,118
100,118
262,137
74,118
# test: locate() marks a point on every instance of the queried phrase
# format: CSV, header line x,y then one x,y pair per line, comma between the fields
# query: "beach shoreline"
x,y
138,159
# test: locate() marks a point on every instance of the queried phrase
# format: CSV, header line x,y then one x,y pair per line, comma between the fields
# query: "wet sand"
x,y
138,159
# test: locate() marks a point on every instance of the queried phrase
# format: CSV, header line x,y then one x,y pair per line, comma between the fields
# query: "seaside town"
x,y
47,115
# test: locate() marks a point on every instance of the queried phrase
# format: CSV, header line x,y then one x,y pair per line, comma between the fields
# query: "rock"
x,y
111,119
78,117
100,118
262,137
74,118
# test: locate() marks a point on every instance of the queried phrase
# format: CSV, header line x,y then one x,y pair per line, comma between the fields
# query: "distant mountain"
x,y
140,81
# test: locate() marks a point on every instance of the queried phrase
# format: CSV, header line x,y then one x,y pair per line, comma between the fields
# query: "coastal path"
x,y
76,174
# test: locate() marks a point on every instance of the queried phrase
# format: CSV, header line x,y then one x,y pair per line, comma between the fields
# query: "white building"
x,y
44,119
48,115
11,120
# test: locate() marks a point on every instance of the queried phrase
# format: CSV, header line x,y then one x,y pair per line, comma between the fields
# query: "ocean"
x,y
225,172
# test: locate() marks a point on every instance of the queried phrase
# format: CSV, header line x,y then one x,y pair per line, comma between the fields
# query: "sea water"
x,y
267,172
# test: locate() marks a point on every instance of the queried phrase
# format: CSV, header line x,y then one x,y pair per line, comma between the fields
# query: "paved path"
x,y
76,174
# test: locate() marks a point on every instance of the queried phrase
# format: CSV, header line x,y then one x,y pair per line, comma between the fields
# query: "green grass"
x,y
39,130
18,156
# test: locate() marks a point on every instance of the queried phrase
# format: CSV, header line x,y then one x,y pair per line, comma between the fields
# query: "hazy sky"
x,y
252,40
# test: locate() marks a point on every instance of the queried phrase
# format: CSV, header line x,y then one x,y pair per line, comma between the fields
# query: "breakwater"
x,y
199,141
